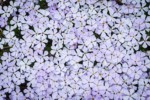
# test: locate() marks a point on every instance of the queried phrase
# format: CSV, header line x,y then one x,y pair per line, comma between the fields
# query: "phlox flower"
x,y
120,38
75,62
139,24
14,5
145,41
17,94
87,61
129,9
129,94
2,95
9,87
18,78
24,65
107,5
57,15
3,21
6,11
15,21
92,25
103,26
81,16
29,93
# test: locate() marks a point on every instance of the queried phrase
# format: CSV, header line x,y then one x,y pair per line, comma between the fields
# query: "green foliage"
x,y
18,33
48,46
43,4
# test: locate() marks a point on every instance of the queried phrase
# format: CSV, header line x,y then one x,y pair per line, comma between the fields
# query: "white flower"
x,y
18,78
43,12
129,94
81,16
103,26
107,5
63,4
75,62
145,42
57,15
15,21
9,87
14,5
29,93
2,95
120,38
6,11
92,25
17,94
24,65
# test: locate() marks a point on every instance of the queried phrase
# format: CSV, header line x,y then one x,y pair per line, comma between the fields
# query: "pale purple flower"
x,y
129,94
6,11
139,24
17,94
145,41
3,21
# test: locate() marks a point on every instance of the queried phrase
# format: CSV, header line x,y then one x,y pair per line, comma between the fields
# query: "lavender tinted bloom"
x,y
17,95
3,21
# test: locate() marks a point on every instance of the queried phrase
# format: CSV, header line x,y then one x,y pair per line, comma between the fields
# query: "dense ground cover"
x,y
75,50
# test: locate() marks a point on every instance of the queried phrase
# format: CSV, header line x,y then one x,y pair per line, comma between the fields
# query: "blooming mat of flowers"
x,y
75,50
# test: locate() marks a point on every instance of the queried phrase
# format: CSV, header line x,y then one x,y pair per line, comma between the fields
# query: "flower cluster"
x,y
75,49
